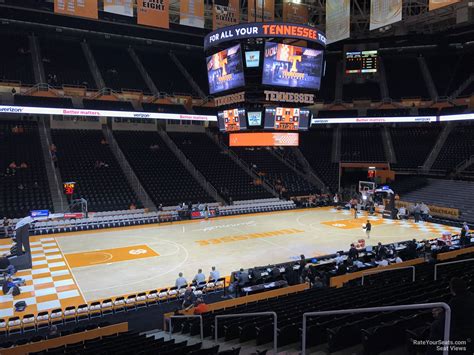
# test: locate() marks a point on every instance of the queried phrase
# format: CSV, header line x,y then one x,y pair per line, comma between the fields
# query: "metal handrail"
x,y
393,269
448,263
169,320
447,317
254,314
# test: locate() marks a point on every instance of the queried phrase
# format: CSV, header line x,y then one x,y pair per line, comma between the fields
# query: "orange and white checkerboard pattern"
x,y
428,227
49,284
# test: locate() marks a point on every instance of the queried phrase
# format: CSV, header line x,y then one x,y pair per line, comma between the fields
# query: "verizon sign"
x,y
419,119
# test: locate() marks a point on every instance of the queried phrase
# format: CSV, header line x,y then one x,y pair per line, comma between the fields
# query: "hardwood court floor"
x,y
73,268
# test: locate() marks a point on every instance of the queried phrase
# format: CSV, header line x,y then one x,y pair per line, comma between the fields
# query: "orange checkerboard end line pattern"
x,y
49,284
435,228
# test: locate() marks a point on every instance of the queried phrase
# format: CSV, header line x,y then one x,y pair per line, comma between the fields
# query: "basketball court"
x,y
75,268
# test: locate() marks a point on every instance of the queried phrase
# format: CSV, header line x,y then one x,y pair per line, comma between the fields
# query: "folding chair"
x,y
56,316
95,310
28,323
70,315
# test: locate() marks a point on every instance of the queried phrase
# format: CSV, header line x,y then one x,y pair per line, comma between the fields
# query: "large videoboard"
x,y
292,66
287,118
225,70
232,120
361,62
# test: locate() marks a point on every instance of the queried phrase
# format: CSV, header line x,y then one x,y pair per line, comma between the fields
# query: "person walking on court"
x,y
368,228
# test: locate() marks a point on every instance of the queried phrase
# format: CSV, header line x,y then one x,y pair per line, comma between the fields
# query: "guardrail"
x,y
448,263
170,321
255,314
394,269
447,317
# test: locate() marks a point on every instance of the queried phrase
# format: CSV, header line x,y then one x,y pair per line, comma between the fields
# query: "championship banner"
x,y
154,13
192,13
267,7
295,13
225,13
119,7
384,13
80,8
436,4
338,21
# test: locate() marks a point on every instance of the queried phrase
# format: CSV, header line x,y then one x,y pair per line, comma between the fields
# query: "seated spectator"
x,y
132,206
398,260
339,259
188,299
21,187
6,227
180,281
381,262
353,253
104,141
23,165
13,165
318,283
342,269
200,277
201,307
6,267
52,148
214,274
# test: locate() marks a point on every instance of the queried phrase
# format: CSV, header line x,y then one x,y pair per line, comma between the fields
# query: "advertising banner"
x,y
225,13
264,7
265,30
338,20
461,117
436,4
103,113
154,13
81,8
295,13
438,211
119,7
292,66
265,139
419,119
384,13
192,13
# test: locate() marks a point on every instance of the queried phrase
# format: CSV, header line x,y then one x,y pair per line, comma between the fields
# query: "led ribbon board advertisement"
x,y
264,30
292,66
265,139
225,70
103,113
419,119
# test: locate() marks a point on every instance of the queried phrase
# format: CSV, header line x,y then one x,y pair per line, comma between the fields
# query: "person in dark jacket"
x,y
353,253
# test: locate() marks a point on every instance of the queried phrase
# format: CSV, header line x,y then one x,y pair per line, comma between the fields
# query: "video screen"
x,y
252,59
232,120
264,139
254,118
225,70
361,62
292,66
287,119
